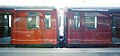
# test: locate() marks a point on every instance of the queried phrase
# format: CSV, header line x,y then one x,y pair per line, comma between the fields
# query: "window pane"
x,y
91,22
37,21
10,20
6,17
47,20
32,20
76,21
95,22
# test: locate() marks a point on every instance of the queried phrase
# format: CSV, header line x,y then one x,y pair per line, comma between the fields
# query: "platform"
x,y
115,40
5,40
59,51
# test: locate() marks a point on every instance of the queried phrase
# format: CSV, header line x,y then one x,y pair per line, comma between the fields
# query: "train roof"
x,y
112,9
95,8
26,8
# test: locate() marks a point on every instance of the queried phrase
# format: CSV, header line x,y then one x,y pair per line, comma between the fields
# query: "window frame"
x,y
37,17
95,22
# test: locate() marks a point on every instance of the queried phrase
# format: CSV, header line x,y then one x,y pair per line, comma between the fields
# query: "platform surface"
x,y
59,51
5,40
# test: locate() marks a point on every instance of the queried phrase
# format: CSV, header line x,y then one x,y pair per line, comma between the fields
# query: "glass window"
x,y
47,20
6,17
91,22
76,21
10,20
33,20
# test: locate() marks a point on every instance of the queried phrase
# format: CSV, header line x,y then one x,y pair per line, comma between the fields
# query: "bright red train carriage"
x,y
34,26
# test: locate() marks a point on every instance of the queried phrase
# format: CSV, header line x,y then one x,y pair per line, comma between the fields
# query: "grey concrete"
x,y
5,40
59,51
115,40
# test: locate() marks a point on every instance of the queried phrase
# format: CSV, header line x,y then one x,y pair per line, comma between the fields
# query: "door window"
x,y
47,20
76,21
33,20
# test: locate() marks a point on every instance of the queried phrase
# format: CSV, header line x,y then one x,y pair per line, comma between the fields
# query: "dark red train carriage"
x,y
34,26
88,26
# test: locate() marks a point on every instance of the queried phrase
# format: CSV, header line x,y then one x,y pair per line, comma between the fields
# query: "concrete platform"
x,y
5,40
115,40
59,51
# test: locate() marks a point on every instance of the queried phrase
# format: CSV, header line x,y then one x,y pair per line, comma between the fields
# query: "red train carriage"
x,y
88,26
34,26
40,25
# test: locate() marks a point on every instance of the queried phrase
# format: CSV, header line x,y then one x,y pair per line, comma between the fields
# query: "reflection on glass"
x,y
91,22
5,16
10,20
76,21
32,20
37,21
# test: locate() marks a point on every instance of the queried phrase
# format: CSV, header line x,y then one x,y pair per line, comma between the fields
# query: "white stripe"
x,y
25,40
33,9
36,40
91,9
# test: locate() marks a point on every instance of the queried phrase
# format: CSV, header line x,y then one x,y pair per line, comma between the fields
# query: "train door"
x,y
49,28
90,27
96,28
116,26
74,28
26,28
1,26
33,27
5,27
